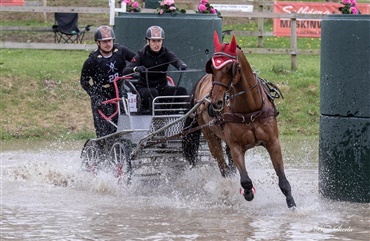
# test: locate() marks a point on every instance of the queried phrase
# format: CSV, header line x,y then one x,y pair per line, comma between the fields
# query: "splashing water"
x,y
46,195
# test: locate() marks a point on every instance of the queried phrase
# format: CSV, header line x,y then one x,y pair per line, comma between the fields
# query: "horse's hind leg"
x,y
190,142
215,147
231,161
274,150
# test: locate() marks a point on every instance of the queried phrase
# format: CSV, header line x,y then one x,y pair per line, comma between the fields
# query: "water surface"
x,y
46,196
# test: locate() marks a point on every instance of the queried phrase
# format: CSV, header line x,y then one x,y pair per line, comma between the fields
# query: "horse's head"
x,y
224,67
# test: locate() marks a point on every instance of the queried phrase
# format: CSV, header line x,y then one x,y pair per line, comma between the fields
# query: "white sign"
x,y
233,7
131,98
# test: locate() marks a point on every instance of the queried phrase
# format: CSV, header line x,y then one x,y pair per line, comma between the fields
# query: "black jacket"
x,y
153,62
102,71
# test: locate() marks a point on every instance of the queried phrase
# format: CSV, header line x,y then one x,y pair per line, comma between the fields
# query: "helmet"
x,y
154,32
104,33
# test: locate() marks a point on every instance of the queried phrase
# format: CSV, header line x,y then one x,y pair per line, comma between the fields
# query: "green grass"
x,y
41,96
268,42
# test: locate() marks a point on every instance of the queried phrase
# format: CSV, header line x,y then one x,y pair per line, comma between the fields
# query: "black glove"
x,y
140,69
183,67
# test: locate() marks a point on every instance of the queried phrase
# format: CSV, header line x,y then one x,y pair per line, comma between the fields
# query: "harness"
x,y
219,60
219,118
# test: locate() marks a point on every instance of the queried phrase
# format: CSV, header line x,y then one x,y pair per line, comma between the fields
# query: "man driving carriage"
x,y
102,66
152,63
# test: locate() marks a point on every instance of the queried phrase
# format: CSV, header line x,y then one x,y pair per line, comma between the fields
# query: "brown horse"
x,y
239,112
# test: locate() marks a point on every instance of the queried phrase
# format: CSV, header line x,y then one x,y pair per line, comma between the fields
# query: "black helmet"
x,y
104,33
154,32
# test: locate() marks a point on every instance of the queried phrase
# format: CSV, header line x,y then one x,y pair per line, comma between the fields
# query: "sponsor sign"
x,y
233,7
306,27
11,2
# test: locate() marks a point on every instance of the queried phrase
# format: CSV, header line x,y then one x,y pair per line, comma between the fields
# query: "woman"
x,y
152,63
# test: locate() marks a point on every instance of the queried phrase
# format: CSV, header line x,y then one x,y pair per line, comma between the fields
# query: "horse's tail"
x,y
190,142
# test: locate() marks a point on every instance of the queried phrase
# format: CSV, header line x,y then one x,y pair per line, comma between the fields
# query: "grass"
x,y
268,42
41,96
43,99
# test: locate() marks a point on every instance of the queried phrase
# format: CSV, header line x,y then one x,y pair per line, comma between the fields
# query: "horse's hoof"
x,y
290,202
248,195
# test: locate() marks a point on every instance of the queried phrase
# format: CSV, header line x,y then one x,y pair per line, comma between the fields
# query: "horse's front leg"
x,y
238,157
274,151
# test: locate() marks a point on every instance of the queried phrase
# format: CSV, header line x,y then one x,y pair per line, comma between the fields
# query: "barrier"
x,y
344,143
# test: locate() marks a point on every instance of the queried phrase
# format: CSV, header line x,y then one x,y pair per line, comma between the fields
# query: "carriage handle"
x,y
115,100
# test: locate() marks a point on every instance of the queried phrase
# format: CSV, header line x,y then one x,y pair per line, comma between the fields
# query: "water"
x,y
46,196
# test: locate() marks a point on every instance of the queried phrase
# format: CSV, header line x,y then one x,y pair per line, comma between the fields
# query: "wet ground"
x,y
46,196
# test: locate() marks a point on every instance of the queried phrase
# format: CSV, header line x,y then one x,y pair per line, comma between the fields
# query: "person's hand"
x,y
140,69
183,67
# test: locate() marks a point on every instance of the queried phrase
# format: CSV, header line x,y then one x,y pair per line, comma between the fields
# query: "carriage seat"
x,y
130,86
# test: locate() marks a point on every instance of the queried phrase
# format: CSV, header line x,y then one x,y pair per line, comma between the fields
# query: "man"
x,y
152,62
98,72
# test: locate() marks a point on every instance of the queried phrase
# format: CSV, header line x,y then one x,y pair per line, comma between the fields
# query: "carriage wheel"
x,y
90,159
120,162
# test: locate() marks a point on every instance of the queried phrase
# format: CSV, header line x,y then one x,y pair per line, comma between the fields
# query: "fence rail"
x,y
261,15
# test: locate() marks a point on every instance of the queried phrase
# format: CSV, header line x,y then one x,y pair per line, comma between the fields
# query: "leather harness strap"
x,y
247,118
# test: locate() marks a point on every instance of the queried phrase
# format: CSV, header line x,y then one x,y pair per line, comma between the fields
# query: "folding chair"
x,y
66,28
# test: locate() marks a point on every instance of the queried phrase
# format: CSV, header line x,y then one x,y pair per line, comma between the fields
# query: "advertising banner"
x,y
306,27
11,2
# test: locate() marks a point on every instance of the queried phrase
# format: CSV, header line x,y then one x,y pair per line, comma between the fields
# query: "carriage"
x,y
231,107
143,137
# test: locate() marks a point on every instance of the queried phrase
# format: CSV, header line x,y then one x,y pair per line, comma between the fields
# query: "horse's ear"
x,y
216,42
233,45
209,66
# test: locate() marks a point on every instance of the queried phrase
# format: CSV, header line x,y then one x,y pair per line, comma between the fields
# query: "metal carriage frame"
x,y
152,136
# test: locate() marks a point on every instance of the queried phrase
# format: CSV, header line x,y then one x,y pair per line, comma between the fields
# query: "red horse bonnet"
x,y
224,53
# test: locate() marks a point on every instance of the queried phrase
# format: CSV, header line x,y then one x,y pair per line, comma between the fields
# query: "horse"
x,y
238,111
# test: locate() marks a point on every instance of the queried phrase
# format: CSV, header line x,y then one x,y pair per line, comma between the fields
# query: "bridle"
x,y
235,69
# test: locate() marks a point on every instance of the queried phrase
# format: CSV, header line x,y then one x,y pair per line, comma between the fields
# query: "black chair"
x,y
66,28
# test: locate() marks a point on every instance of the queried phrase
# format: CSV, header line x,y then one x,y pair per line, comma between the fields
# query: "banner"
x,y
11,2
306,27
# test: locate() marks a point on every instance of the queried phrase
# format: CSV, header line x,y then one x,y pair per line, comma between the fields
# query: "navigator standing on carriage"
x,y
102,66
152,63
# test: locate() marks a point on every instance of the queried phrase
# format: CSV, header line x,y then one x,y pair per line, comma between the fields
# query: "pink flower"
x,y
213,11
161,11
135,5
168,2
204,2
202,7
172,8
353,2
353,10
346,1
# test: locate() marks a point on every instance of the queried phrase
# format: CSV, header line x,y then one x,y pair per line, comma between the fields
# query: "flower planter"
x,y
190,36
344,148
